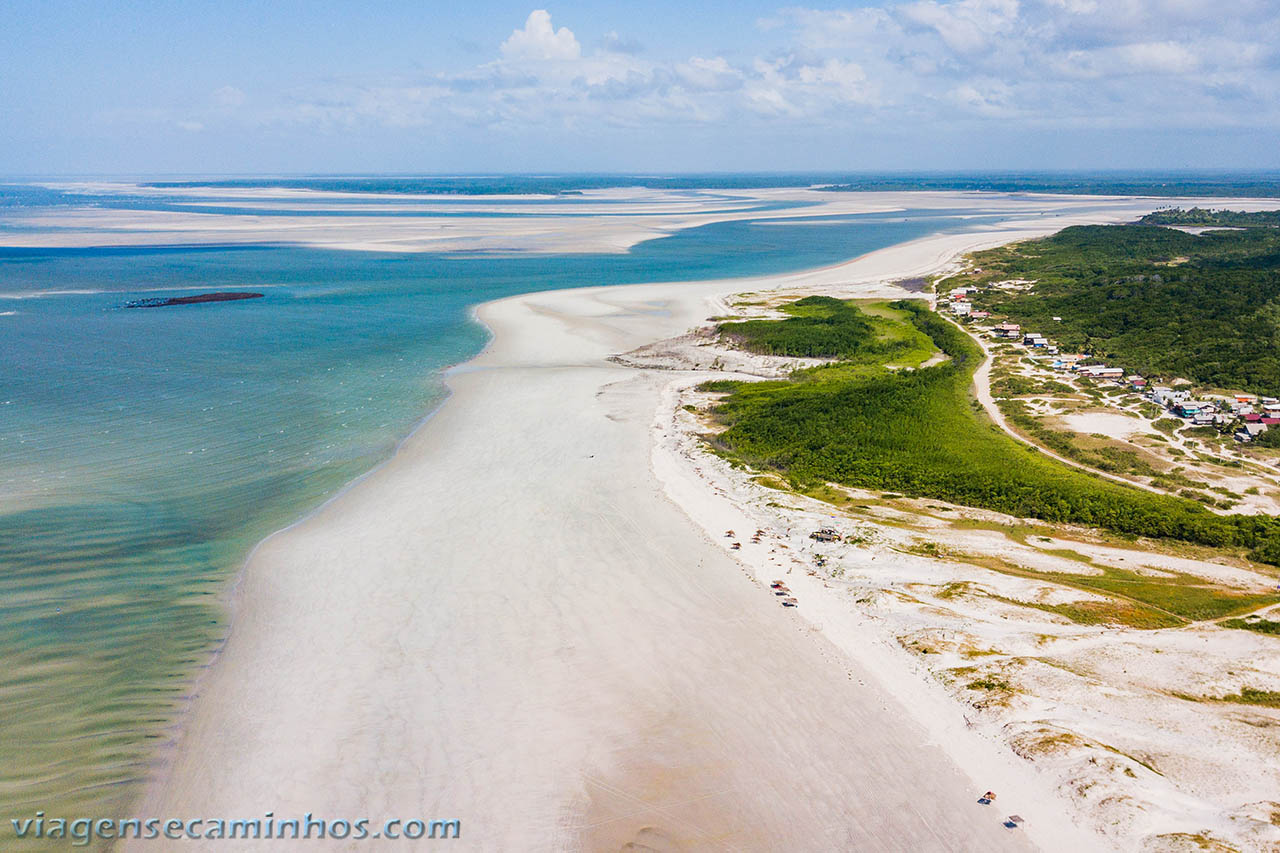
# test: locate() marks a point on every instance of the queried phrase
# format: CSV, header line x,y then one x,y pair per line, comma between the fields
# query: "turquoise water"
x,y
144,452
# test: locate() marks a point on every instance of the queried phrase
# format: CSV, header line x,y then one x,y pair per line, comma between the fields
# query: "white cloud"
x,y
1047,62
709,75
1075,7
990,98
965,26
228,97
540,41
847,78
1165,57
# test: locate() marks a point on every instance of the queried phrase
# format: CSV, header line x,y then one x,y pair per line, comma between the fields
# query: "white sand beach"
x,y
511,623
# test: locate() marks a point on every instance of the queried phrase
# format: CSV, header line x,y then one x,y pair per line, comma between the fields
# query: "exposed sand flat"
x,y
511,624
563,226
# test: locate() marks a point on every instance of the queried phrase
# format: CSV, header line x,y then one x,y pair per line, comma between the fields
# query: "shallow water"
x,y
144,451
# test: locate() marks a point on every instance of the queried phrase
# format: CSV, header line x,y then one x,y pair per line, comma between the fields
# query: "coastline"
x,y
580,327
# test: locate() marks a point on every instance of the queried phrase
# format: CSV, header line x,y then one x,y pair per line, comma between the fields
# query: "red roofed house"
x,y
1009,330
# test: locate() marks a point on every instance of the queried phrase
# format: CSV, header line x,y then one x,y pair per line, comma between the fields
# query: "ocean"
x,y
143,452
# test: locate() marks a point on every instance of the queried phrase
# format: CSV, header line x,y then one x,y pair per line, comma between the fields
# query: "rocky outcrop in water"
x,y
161,302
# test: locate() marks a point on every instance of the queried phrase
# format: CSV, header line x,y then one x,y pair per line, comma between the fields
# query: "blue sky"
x,y
387,85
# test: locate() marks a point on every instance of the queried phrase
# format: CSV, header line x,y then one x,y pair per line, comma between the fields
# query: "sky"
x,y
232,87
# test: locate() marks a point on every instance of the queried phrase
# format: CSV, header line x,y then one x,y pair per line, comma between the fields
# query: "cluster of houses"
x,y
1219,410
959,304
1254,414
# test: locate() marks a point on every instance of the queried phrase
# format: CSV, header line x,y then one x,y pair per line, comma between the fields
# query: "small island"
x,y
161,302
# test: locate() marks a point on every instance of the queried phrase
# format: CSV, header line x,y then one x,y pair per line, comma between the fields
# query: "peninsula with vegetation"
x,y
1050,485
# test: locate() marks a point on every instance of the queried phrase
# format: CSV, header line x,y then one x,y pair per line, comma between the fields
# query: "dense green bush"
x,y
1151,299
916,432
1203,216
820,327
1270,438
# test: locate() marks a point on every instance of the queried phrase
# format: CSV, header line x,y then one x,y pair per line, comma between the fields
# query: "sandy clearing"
x,y
1110,424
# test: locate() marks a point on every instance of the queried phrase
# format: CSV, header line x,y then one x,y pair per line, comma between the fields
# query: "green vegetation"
x,y
1203,216
1016,385
990,683
954,589
1160,301
1110,612
919,433
926,549
1251,696
1103,455
1138,600
822,327
1183,595
1262,626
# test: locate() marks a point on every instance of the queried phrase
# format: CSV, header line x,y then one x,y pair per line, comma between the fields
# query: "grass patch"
x,y
1017,532
1182,595
1250,696
1017,385
770,482
1068,554
823,327
1262,626
1109,612
926,549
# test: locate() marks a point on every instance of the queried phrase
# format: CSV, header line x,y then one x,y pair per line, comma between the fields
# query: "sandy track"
x,y
982,391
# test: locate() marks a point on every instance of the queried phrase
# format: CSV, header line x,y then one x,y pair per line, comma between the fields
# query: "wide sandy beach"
x,y
512,624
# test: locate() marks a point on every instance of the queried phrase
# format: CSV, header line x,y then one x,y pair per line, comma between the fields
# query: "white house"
x,y
1249,432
